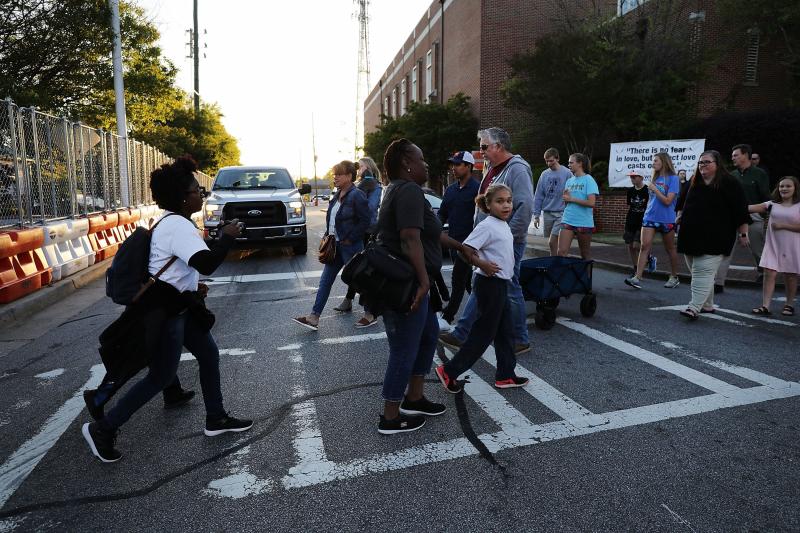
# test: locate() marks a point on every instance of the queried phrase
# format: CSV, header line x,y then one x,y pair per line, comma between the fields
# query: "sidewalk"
x,y
609,251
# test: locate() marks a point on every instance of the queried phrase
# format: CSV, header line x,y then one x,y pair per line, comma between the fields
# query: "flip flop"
x,y
761,311
690,313
704,310
788,310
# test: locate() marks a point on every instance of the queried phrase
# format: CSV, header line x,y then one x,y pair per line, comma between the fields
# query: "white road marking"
x,y
22,462
679,519
711,316
741,267
667,365
15,470
240,483
312,461
50,375
746,373
729,312
354,338
546,394
275,276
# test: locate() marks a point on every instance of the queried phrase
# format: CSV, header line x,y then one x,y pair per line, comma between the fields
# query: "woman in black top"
x,y
408,227
712,211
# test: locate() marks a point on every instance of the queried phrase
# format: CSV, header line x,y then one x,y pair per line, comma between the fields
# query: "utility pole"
x,y
196,54
119,93
363,71
314,152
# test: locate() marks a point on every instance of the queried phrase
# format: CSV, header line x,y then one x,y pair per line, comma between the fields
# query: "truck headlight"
x,y
295,210
213,213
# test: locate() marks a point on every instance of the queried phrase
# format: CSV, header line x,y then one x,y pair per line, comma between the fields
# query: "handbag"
x,y
327,249
383,279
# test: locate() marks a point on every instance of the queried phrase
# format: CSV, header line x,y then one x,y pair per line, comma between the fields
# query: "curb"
x,y
626,269
47,296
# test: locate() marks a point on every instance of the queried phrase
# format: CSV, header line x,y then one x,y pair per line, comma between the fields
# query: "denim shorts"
x,y
660,227
578,229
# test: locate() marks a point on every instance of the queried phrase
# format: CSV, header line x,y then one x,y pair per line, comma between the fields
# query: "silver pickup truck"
x,y
265,200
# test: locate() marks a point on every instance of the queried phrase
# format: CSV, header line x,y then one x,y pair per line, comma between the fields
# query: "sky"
x,y
271,64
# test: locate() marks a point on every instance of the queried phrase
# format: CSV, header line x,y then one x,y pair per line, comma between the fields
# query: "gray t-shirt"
x,y
549,190
404,206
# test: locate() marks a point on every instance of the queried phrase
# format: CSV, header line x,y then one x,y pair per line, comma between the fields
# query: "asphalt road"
x,y
636,421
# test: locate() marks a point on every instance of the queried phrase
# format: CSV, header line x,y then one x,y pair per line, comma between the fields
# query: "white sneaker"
x,y
444,326
672,282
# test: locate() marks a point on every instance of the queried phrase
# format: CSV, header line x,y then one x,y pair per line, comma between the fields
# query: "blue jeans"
x,y
518,316
329,273
178,331
412,343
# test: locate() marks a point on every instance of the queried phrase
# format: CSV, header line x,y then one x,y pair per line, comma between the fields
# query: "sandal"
x,y
708,310
788,310
761,311
690,313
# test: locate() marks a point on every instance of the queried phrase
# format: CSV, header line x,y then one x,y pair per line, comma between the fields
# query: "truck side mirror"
x,y
305,188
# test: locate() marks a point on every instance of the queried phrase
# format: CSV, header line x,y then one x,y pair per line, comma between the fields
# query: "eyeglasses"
x,y
704,162
200,190
485,147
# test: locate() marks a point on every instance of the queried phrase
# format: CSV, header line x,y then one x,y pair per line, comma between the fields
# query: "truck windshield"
x,y
253,178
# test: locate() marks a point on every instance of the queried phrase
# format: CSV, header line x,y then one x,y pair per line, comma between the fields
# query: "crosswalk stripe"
x,y
729,312
546,394
667,365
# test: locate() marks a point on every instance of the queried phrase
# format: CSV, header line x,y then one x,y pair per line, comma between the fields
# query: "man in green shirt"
x,y
756,190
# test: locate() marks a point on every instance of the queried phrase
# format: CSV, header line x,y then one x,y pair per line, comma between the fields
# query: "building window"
x,y
403,101
414,93
386,106
394,102
751,59
429,88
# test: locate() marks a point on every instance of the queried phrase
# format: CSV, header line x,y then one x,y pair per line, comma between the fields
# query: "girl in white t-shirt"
x,y
490,248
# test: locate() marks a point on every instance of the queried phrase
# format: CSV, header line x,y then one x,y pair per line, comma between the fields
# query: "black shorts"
x,y
632,234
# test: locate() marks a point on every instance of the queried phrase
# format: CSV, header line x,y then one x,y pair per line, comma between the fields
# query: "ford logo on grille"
x,y
254,212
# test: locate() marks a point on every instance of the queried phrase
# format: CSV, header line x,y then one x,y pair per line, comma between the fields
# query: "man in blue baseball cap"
x,y
458,210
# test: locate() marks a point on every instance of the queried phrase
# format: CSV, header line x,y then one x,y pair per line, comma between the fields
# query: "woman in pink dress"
x,y
782,247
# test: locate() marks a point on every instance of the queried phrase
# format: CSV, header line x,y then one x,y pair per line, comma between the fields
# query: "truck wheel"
x,y
301,248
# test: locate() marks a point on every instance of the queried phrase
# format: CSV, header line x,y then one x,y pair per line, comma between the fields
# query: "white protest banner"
x,y
626,157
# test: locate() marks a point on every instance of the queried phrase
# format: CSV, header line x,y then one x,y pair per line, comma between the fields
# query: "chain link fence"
x,y
53,169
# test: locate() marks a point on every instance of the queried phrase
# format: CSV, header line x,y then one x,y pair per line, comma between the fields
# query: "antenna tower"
x,y
363,84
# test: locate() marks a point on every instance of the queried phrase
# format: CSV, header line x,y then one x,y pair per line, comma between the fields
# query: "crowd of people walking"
x,y
702,216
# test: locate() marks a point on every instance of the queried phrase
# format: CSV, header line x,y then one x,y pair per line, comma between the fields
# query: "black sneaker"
x,y
226,424
177,399
423,406
401,424
101,442
95,411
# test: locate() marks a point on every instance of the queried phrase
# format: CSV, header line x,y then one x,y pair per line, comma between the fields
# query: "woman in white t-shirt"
x,y
176,190
490,248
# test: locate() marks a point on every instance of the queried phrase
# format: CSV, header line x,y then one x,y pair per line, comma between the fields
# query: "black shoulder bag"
x,y
383,279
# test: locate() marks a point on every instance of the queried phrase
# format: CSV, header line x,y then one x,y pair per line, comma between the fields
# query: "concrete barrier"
x,y
66,247
23,267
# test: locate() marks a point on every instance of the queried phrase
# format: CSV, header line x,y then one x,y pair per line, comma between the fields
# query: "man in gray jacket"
x,y
515,172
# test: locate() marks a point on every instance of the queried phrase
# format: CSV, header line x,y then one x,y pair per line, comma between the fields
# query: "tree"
x,y
204,137
607,79
56,55
438,129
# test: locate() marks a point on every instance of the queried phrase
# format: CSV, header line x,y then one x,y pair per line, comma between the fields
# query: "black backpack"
x,y
127,278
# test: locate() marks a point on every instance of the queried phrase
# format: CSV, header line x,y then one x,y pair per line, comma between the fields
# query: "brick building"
x,y
464,46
